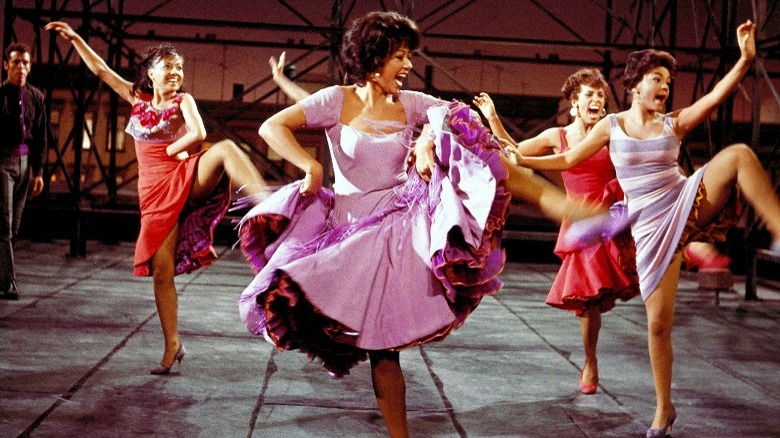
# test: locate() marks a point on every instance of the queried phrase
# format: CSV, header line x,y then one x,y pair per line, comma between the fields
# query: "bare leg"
x,y
524,184
738,165
590,323
660,316
165,295
225,157
390,391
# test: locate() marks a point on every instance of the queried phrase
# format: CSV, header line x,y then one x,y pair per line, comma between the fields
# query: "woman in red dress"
x,y
592,278
182,197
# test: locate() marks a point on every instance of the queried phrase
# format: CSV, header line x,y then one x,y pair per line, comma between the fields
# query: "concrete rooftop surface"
x,y
76,349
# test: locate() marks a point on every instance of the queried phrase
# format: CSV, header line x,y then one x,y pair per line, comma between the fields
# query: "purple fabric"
x,y
196,231
386,261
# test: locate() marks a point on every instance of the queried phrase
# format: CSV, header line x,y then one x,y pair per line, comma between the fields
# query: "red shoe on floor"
x,y
588,389
714,260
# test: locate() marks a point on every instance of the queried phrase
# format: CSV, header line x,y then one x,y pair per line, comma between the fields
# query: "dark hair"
x,y
371,39
153,54
15,47
642,61
586,76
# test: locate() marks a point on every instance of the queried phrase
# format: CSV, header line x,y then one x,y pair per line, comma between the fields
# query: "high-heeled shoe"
x,y
588,389
713,260
662,432
162,369
586,232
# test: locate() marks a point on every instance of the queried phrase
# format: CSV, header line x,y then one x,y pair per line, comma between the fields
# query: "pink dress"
x,y
599,274
164,184
385,261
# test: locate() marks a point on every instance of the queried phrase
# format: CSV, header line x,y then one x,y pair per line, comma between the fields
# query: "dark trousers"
x,y
15,178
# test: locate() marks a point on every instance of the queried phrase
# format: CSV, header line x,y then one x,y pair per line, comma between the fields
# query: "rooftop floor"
x,y
76,349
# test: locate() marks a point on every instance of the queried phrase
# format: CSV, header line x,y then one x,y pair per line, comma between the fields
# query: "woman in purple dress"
x,y
393,257
668,209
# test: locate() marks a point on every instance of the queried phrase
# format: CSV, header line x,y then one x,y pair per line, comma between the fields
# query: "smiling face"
x,y
18,67
653,90
167,74
390,76
589,103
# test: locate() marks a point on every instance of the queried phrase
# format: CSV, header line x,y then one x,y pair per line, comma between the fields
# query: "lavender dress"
x,y
385,261
659,197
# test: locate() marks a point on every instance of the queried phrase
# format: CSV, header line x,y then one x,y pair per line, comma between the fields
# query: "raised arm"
x,y
597,138
290,88
542,144
278,130
688,118
94,62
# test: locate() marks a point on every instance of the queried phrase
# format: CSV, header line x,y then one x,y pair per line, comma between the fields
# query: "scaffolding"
x,y
700,33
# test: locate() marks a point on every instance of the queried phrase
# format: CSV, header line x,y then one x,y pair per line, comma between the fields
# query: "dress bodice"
x,y
367,165
594,179
148,123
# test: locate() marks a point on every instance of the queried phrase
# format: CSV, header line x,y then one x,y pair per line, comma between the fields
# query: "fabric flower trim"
x,y
147,120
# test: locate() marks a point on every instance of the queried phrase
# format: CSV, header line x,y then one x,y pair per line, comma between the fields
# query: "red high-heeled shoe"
x,y
588,389
715,260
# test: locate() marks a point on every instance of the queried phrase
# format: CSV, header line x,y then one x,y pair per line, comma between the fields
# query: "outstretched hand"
x,y
62,28
485,104
277,67
746,39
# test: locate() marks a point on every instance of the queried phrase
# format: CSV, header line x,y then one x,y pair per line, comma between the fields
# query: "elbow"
x,y
200,135
265,131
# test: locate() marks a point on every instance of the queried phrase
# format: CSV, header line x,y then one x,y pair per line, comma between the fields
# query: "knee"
x,y
162,275
740,152
383,361
659,328
225,147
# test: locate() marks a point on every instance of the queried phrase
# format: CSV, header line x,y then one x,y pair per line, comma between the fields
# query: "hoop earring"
x,y
603,112
573,111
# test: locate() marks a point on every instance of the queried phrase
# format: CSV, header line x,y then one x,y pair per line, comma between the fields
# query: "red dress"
x,y
164,184
599,274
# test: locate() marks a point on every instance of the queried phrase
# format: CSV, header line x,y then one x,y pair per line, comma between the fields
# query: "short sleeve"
x,y
323,108
416,105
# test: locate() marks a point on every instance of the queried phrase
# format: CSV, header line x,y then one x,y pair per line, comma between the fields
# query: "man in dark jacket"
x,y
23,142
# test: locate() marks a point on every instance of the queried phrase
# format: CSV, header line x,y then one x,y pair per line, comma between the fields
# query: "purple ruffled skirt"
x,y
406,275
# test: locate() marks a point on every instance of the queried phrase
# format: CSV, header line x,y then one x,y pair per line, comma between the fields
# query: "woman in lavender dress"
x,y
393,257
668,209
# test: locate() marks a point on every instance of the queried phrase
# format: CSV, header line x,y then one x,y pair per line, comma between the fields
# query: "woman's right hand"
x,y
312,182
62,28
513,154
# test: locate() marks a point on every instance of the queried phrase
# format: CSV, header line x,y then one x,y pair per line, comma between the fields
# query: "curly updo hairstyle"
x,y
586,76
153,54
642,61
371,39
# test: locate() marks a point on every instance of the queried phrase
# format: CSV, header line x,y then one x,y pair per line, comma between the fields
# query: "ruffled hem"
x,y
596,276
465,264
715,231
